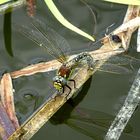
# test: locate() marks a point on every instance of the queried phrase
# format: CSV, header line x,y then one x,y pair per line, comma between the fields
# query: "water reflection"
x,y
26,101
91,123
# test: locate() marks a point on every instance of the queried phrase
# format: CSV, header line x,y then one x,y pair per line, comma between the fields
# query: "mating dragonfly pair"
x,y
55,44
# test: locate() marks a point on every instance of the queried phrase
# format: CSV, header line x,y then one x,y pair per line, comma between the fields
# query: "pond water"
x,y
89,114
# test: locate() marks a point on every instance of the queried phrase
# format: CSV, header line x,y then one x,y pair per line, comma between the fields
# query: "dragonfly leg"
x,y
59,93
63,89
69,89
73,82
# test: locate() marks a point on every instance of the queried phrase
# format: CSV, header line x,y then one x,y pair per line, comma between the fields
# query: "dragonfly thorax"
x,y
59,82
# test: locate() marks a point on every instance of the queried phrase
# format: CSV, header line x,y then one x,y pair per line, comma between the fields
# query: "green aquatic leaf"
x,y
128,2
4,1
65,22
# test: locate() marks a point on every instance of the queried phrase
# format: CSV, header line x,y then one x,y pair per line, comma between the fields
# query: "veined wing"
x,y
121,64
114,68
48,39
124,60
60,44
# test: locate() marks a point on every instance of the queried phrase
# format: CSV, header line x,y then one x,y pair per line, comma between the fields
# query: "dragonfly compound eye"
x,y
57,85
59,82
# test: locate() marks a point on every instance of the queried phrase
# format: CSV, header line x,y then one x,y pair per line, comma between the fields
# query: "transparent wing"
x,y
47,38
116,69
61,46
121,64
124,60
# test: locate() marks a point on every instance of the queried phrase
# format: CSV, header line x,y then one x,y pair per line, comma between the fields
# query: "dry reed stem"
x,y
6,126
7,98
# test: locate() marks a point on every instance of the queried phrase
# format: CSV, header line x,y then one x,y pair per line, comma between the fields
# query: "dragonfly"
x,y
52,41
55,45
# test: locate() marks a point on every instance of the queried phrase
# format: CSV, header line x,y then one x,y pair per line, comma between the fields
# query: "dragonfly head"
x,y
59,82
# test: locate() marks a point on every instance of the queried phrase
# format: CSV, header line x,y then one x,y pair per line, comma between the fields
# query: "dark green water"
x,y
89,114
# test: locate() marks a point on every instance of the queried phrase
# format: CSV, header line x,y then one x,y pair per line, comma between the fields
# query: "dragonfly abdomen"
x,y
67,68
82,58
